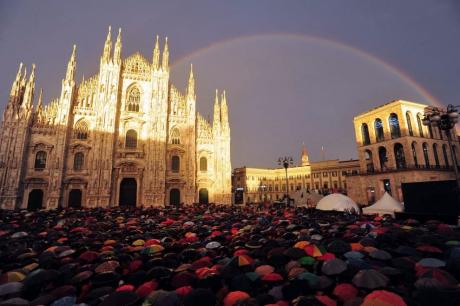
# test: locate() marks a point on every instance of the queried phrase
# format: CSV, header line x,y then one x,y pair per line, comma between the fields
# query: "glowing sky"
x,y
294,71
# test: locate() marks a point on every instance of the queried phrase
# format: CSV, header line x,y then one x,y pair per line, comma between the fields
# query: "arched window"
x,y
414,153
175,163
175,136
369,161
393,121
365,134
40,160
203,164
383,158
425,154
134,99
435,153
419,124
409,124
131,139
444,153
81,130
399,156
378,126
78,161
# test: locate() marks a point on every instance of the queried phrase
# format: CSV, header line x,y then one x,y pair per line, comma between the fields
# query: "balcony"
x,y
406,168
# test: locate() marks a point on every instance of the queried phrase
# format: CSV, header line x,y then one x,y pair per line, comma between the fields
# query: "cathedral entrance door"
x,y
174,197
203,197
35,201
75,198
128,192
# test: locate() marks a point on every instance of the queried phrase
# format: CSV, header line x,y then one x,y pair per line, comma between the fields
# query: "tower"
x,y
226,170
15,133
304,156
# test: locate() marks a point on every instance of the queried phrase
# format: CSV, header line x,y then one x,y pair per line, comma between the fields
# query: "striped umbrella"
x,y
313,250
152,250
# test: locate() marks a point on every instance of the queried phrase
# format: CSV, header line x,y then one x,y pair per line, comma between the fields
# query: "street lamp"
x,y
445,120
286,162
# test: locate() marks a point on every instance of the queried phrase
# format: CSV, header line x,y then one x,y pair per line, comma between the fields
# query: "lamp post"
x,y
286,162
445,120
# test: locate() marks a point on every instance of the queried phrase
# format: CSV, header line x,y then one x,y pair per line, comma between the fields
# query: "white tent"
x,y
303,198
386,205
337,202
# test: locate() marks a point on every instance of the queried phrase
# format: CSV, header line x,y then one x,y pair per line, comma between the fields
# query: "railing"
x,y
406,168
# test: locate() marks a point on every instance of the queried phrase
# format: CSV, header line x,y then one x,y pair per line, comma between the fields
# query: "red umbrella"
x,y
383,298
89,256
326,257
108,266
429,249
445,278
345,292
272,277
325,300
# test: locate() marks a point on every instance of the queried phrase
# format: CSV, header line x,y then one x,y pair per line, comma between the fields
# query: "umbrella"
x,y
89,256
12,276
334,267
121,298
426,283
108,266
380,255
10,288
370,279
264,270
353,255
406,251
213,245
241,261
313,250
82,276
307,261
312,279
301,244
383,298
138,242
295,272
428,249
431,263
338,247
272,277
326,257
294,253
444,277
345,292
19,235
152,250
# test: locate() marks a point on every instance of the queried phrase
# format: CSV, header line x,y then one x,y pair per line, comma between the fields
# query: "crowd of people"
x,y
225,255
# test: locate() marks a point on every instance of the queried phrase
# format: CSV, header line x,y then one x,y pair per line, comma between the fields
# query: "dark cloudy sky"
x,y
294,71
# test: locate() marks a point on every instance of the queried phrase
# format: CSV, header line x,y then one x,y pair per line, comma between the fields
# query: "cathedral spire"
x,y
117,50
224,111
107,46
191,83
156,55
216,119
71,65
40,101
304,156
29,90
165,58
17,82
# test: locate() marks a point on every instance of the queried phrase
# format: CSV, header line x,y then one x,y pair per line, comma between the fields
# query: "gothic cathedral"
x,y
124,137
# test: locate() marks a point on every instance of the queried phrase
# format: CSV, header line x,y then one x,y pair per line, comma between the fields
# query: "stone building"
x,y
264,184
125,136
395,147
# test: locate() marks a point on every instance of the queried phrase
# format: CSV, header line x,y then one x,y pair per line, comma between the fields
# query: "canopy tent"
x,y
387,205
337,202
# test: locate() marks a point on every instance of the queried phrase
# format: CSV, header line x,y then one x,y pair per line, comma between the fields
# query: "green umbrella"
x,y
307,261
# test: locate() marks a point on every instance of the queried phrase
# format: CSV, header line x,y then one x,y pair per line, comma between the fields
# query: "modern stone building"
x,y
395,147
263,184
125,136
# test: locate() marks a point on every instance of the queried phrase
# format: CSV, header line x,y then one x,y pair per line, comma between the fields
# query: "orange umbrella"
x,y
139,242
356,246
301,244
13,276
313,251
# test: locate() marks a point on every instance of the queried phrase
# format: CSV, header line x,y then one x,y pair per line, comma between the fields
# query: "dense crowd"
x,y
217,255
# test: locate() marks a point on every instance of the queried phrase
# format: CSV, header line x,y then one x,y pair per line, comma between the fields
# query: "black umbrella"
x,y
370,279
338,247
334,267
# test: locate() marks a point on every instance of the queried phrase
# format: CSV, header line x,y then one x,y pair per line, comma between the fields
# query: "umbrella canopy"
x,y
431,263
370,279
383,298
334,267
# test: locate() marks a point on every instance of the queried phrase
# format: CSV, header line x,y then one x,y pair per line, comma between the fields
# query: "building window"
x,y
369,161
81,130
175,136
78,161
444,153
419,124
414,153
131,139
383,158
378,127
203,164
365,134
393,121
334,173
40,160
133,101
409,124
425,154
324,174
399,156
435,153
175,163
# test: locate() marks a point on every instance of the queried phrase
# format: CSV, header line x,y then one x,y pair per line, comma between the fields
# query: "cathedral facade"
x,y
125,136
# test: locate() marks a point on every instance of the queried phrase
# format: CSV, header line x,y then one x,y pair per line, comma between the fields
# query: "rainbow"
x,y
430,99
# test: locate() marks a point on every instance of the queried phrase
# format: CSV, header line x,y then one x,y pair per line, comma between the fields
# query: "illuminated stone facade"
x,y
262,184
394,147
125,136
